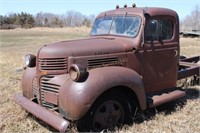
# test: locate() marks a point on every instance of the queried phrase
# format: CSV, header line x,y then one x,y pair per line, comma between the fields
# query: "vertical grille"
x,y
35,90
47,87
102,62
52,63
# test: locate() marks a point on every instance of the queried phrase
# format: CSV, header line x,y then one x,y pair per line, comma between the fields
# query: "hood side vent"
x,y
102,62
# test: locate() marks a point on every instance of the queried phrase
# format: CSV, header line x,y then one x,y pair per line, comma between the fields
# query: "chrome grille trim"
x,y
52,63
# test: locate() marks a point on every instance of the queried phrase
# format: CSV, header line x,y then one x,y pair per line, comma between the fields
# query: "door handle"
x,y
176,52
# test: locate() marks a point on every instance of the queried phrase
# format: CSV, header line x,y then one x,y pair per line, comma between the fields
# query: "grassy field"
x,y
181,116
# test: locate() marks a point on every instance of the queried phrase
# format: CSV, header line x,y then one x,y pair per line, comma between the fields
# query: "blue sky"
x,y
87,7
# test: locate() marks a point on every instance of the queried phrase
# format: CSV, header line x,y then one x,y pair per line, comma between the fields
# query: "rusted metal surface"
x,y
140,12
188,72
27,82
159,66
166,97
103,45
188,64
191,67
77,97
45,115
191,59
51,97
130,64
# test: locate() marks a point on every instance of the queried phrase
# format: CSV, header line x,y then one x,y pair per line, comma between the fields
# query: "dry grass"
x,y
179,116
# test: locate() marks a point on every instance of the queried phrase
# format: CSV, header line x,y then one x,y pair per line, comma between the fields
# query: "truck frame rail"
x,y
191,67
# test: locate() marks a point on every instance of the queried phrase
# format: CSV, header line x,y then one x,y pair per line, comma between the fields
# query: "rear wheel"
x,y
109,111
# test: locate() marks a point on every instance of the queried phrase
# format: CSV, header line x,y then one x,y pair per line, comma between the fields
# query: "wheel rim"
x,y
107,115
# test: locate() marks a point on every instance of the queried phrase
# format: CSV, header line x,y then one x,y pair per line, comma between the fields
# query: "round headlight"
x,y
30,60
76,72
27,60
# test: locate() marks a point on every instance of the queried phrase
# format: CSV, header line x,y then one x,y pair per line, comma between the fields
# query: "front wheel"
x,y
110,110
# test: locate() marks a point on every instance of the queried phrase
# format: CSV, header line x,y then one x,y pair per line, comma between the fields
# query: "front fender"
x,y
77,97
27,82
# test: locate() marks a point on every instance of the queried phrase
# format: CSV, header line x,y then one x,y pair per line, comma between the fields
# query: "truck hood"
x,y
85,47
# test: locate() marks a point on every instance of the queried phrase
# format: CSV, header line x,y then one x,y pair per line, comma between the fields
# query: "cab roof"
x,y
152,11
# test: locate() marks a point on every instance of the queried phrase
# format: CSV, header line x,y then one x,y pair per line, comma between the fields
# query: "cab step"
x,y
158,99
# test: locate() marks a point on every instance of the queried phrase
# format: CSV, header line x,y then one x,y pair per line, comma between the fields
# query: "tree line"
x,y
41,19
192,21
23,20
73,19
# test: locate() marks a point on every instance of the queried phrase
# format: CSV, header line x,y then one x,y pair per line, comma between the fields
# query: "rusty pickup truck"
x,y
130,60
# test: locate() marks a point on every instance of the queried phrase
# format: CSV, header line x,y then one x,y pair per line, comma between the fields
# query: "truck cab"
x,y
153,42
129,61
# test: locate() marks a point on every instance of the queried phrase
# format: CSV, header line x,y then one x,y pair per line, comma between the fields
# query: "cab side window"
x,y
158,29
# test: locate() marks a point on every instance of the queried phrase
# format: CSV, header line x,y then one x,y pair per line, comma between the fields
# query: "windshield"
x,y
117,25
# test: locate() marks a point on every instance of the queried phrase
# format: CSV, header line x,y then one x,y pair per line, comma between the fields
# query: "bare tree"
x,y
39,20
73,18
192,21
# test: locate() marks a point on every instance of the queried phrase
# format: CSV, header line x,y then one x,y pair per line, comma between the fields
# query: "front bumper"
x,y
45,115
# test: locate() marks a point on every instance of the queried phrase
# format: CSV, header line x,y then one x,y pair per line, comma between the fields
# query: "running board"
x,y
156,100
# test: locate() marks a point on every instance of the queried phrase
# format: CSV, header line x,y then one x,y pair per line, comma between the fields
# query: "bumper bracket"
x,y
45,115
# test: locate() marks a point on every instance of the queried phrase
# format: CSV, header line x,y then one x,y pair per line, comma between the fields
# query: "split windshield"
x,y
117,25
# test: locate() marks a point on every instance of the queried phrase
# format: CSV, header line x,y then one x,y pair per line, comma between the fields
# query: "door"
x,y
159,54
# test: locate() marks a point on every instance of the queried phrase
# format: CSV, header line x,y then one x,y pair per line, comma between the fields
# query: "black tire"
x,y
110,110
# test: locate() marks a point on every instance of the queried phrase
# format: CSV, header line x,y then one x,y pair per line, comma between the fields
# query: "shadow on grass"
x,y
43,124
141,116
167,108
48,127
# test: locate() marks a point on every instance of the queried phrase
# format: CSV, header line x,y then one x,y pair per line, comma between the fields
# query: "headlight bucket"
x,y
77,72
30,60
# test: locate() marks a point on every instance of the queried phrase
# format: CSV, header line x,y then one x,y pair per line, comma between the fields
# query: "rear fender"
x,y
77,97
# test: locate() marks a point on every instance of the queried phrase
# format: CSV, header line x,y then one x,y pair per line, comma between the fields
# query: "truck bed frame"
x,y
190,67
